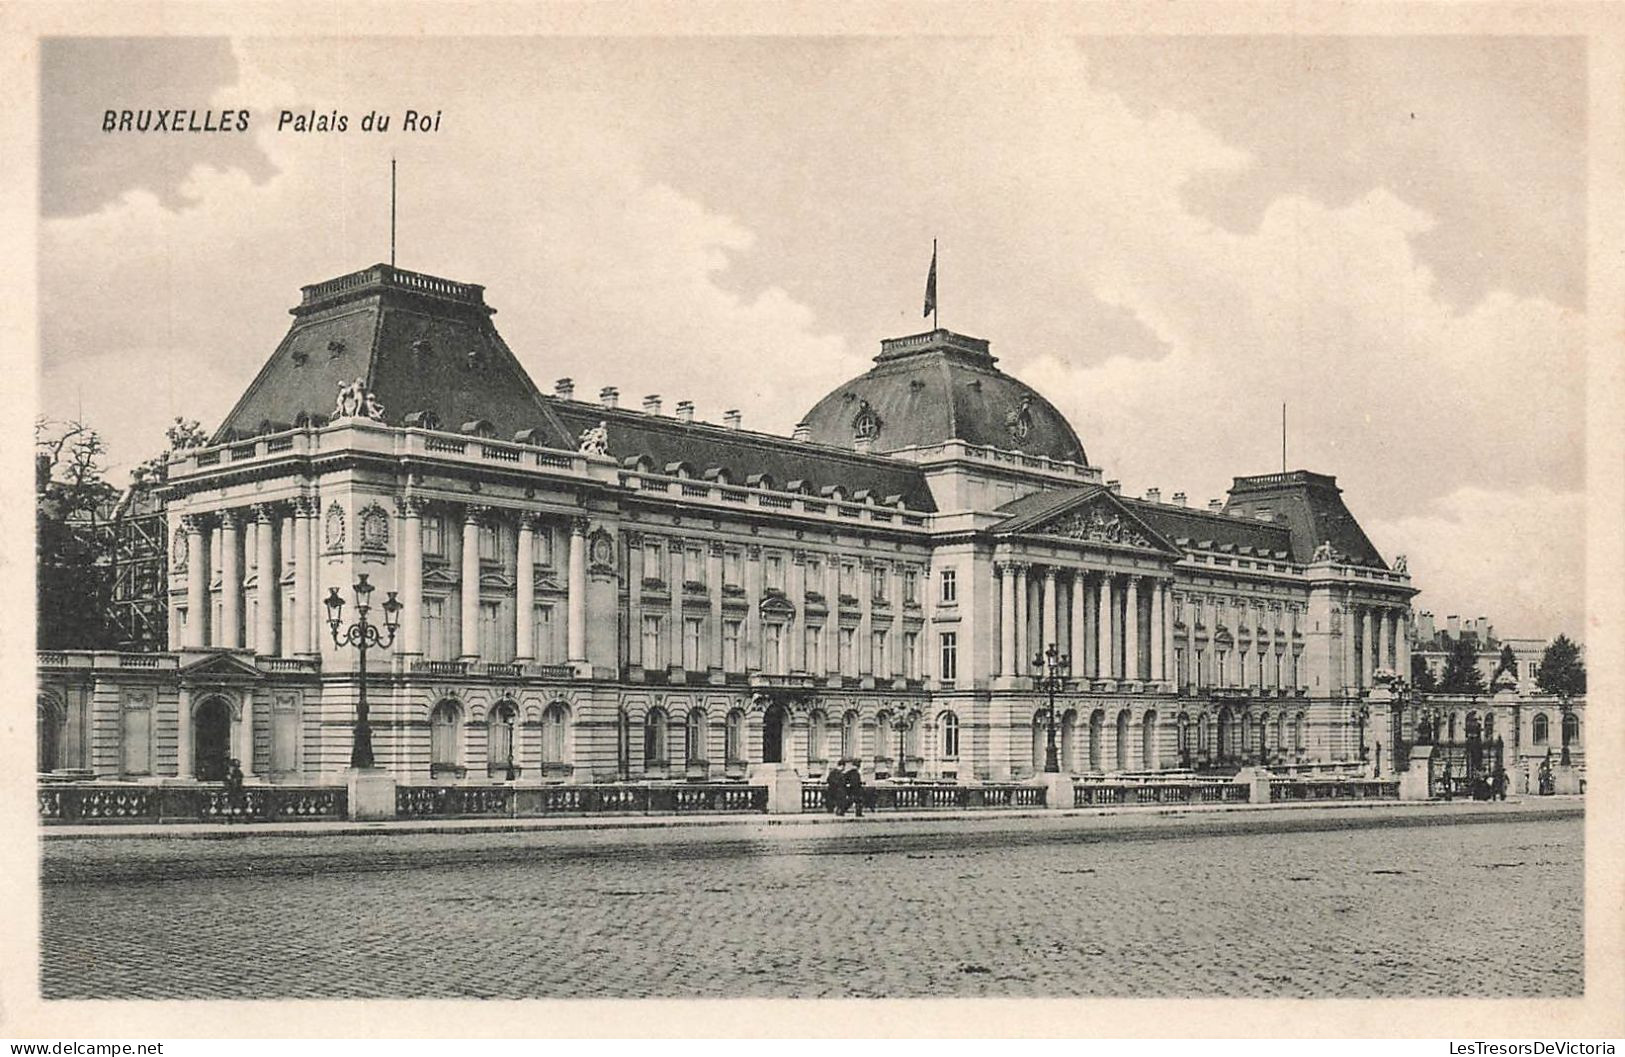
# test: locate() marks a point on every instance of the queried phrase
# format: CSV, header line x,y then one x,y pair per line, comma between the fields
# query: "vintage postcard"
x,y
1076,504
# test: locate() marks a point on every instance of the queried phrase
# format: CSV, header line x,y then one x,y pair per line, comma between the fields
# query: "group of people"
x,y
843,788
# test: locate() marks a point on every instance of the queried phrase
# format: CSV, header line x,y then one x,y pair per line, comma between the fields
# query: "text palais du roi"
x,y
161,120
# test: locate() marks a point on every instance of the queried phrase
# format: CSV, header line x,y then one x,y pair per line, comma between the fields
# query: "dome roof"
x,y
940,386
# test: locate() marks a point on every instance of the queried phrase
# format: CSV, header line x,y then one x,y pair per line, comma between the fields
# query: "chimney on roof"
x,y
1215,505
1115,487
1179,499
731,418
651,404
609,396
1153,495
565,389
685,411
803,432
1452,626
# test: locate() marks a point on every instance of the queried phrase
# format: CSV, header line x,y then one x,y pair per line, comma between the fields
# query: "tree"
x,y
70,495
1563,675
1422,680
1461,674
1507,663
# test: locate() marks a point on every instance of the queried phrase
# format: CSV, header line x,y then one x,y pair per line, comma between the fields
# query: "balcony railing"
x,y
111,802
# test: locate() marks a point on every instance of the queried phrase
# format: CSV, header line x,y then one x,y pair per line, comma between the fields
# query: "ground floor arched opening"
x,y
211,740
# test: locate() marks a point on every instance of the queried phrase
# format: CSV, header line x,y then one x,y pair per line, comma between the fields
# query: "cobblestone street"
x,y
1357,907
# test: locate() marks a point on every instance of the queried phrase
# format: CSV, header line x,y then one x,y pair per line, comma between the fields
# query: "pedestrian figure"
x,y
1500,783
854,787
835,790
236,799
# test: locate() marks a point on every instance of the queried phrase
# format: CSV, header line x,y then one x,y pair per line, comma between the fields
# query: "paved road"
x,y
874,909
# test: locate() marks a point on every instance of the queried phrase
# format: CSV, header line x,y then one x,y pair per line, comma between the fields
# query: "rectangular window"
x,y
488,543
815,646
775,572
434,536
651,643
542,548
731,660
654,560
541,630
1534,668
911,654
911,586
284,734
849,580
694,565
877,583
950,656
844,645
773,648
815,573
434,628
731,566
691,643
877,654
492,645
138,735
948,586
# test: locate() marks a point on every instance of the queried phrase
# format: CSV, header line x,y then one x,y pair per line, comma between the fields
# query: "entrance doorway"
x,y
50,735
773,734
211,739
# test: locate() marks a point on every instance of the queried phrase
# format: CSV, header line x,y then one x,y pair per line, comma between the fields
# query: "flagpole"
x,y
935,324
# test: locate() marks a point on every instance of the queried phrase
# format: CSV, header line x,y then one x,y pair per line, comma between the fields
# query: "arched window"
x,y
1069,724
735,746
1298,732
654,738
882,733
1040,739
1489,726
1122,740
1571,729
1148,741
1280,731
623,743
1097,724
499,752
444,743
817,736
555,726
1540,729
694,744
850,727
51,722
950,735
1201,733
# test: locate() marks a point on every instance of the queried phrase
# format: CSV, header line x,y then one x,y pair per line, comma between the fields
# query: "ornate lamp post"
x,y
901,722
1052,666
362,634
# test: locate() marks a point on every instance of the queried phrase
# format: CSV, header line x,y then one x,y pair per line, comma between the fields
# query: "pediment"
x,y
220,667
440,575
1097,518
774,605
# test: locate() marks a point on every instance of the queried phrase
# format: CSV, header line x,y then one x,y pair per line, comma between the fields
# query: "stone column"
x,y
287,613
634,598
1383,639
1158,587
1402,644
197,580
183,734
304,575
797,627
1007,619
1023,598
470,586
1103,627
524,590
752,646
1051,631
832,623
677,549
1351,628
1080,604
866,617
894,655
410,576
576,630
268,592
1369,635
243,735
230,632
1131,629
713,582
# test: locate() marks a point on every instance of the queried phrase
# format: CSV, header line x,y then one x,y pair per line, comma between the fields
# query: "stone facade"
x,y
613,594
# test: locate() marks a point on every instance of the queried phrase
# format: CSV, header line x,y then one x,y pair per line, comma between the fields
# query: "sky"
x,y
1168,237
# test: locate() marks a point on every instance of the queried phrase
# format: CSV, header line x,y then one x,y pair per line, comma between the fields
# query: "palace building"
x,y
597,593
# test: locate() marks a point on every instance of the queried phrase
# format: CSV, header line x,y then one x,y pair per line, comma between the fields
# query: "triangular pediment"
x,y
1096,517
219,666
440,576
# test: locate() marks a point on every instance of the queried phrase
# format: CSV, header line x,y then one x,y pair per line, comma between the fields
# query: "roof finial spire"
x,y
392,211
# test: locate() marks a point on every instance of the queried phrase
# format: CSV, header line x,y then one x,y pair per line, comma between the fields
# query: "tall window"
x,y
555,725
735,745
542,548
877,582
443,740
284,733
654,738
731,660
911,654
499,754
815,572
815,644
877,653
948,587
817,736
950,736
138,736
694,741
849,579
488,544
1540,729
773,648
493,633
950,656
774,564
848,660
654,560
849,736
651,643
691,643
731,568
434,629
541,631
694,565
911,586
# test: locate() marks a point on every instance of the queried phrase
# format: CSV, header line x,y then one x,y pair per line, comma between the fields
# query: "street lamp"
x,y
901,723
1052,666
362,634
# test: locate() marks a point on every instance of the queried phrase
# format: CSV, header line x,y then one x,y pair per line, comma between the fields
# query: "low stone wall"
x,y
108,802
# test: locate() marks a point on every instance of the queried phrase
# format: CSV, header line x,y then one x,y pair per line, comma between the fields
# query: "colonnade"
x,y
1110,634
1376,636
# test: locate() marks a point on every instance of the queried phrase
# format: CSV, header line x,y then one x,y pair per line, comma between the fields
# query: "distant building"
x,y
1432,646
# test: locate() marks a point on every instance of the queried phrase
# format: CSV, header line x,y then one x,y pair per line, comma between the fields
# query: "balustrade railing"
x,y
1295,789
1093,794
477,801
929,796
61,802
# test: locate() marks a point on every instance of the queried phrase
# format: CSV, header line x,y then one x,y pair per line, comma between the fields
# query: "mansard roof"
x,y
702,447
1310,506
421,344
1216,529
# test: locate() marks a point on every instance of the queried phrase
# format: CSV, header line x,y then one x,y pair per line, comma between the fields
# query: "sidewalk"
x,y
811,823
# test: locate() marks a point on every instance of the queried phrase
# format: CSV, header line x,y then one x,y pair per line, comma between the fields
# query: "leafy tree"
x,y
1422,680
1507,663
1461,674
1562,673
70,495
